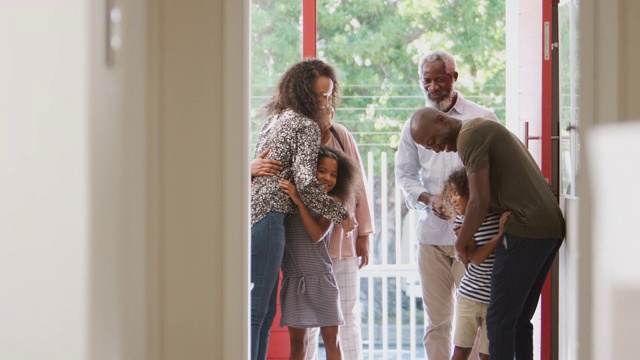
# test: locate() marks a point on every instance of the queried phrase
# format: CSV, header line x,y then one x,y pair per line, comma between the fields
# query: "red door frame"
x,y
309,27
547,162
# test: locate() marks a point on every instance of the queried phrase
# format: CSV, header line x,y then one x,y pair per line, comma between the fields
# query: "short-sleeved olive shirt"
x,y
517,184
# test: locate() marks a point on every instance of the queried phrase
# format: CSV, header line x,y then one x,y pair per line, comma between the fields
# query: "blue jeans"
x,y
267,250
519,272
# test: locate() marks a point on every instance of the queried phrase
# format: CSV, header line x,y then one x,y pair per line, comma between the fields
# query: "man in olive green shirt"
x,y
502,177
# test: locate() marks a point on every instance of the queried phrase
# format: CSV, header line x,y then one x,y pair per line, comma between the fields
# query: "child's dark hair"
x,y
348,174
457,178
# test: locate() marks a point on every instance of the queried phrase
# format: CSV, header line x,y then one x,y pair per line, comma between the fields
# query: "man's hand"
x,y
265,167
362,250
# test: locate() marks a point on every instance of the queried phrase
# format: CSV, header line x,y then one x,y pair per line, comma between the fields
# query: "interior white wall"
x,y
198,179
116,149
44,180
235,146
72,179
72,265
616,274
609,92
629,75
124,212
190,188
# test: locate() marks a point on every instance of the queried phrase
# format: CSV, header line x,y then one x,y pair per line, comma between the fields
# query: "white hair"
x,y
439,55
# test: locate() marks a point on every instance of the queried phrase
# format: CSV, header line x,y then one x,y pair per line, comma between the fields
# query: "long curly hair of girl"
x,y
348,174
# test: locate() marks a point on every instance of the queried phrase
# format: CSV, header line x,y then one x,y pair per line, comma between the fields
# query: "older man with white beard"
x,y
421,174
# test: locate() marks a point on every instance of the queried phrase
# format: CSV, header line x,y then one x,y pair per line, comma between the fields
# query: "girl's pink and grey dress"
x,y
309,296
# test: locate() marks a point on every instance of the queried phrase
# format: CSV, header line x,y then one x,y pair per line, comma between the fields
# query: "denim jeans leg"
x,y
518,274
267,249
524,328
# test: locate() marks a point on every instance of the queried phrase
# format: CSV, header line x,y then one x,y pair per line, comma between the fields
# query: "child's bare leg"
x,y
331,338
298,341
482,356
460,353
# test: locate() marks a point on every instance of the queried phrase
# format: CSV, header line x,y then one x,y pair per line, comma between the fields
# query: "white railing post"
x,y
412,298
384,241
370,182
372,337
370,293
399,280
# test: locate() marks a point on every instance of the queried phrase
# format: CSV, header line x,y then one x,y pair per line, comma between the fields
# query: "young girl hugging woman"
x,y
290,137
309,296
475,287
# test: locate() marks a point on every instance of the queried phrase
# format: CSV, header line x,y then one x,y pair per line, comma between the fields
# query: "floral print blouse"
x,y
294,139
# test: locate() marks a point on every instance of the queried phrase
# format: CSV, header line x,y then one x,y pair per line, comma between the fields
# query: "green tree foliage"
x,y
376,46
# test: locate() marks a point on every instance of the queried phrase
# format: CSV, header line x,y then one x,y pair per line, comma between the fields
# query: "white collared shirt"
x,y
419,170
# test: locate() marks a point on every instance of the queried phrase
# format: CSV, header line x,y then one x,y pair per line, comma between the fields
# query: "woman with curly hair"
x,y
305,97
309,296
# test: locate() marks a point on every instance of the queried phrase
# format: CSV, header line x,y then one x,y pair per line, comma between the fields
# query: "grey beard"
x,y
443,105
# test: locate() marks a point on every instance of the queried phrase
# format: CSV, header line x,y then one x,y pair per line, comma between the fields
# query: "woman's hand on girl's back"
x,y
265,167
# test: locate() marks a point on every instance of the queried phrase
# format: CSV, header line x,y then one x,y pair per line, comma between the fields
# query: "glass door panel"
x,y
569,79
